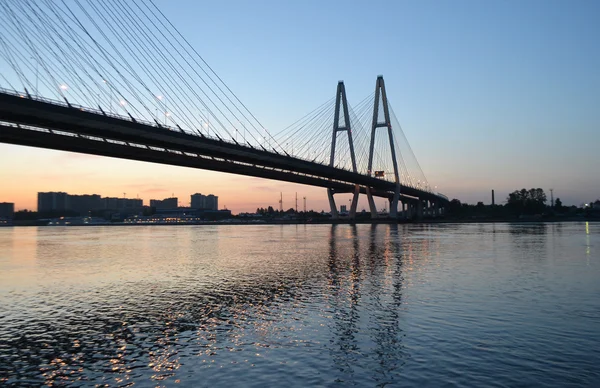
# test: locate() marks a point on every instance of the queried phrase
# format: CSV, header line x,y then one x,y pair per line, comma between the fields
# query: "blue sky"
x,y
491,95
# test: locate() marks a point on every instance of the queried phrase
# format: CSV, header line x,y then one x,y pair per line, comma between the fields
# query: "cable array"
x,y
125,58
361,133
412,169
310,138
306,137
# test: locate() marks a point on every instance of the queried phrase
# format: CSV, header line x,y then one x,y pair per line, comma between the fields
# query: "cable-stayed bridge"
x,y
116,78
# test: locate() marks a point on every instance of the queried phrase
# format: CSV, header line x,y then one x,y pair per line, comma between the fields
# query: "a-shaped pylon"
x,y
381,95
341,105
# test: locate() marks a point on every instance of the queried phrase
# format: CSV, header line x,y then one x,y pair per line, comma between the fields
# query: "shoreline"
x,y
331,222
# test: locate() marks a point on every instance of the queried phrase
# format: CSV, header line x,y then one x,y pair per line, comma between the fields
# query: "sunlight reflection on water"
x,y
458,304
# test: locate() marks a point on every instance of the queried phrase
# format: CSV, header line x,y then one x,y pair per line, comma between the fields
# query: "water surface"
x,y
306,305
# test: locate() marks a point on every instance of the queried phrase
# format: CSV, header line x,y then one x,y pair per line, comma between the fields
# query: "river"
x,y
301,305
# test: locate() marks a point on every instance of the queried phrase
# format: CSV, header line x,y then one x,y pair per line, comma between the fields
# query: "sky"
x,y
491,95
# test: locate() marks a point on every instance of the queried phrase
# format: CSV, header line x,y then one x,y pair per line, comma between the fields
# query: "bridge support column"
x,y
420,209
334,213
342,102
354,203
372,206
381,94
394,203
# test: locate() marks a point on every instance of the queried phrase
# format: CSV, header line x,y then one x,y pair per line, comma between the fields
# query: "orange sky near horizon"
x,y
25,171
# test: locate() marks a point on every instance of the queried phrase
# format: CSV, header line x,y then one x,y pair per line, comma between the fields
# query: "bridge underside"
x,y
29,122
117,149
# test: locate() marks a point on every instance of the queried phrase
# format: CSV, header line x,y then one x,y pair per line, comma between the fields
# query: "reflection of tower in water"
x,y
344,305
386,293
366,295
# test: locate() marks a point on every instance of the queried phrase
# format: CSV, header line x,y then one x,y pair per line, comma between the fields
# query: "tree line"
x,y
522,202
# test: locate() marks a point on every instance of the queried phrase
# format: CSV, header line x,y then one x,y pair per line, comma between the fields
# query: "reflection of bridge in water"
x,y
352,283
373,279
156,100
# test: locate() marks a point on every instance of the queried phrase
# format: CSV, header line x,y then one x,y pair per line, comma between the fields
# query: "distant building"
x,y
110,203
53,201
114,203
167,203
212,202
205,202
117,208
7,210
198,201
85,203
129,203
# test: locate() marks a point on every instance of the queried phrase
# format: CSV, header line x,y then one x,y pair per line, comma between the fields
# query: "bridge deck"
x,y
48,125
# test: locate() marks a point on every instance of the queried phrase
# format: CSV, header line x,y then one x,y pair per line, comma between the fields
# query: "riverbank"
x,y
327,221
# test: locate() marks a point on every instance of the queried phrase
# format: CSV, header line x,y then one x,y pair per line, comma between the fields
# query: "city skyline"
x,y
510,106
295,202
83,202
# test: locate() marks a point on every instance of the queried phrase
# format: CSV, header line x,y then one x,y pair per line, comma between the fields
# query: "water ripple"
x,y
455,305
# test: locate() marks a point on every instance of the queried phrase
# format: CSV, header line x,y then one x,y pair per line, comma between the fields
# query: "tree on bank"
x,y
454,207
558,204
532,201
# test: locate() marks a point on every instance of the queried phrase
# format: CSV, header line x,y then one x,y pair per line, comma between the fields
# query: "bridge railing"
x,y
130,118
102,112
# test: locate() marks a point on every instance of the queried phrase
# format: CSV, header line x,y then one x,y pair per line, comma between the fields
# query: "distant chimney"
x,y
493,200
